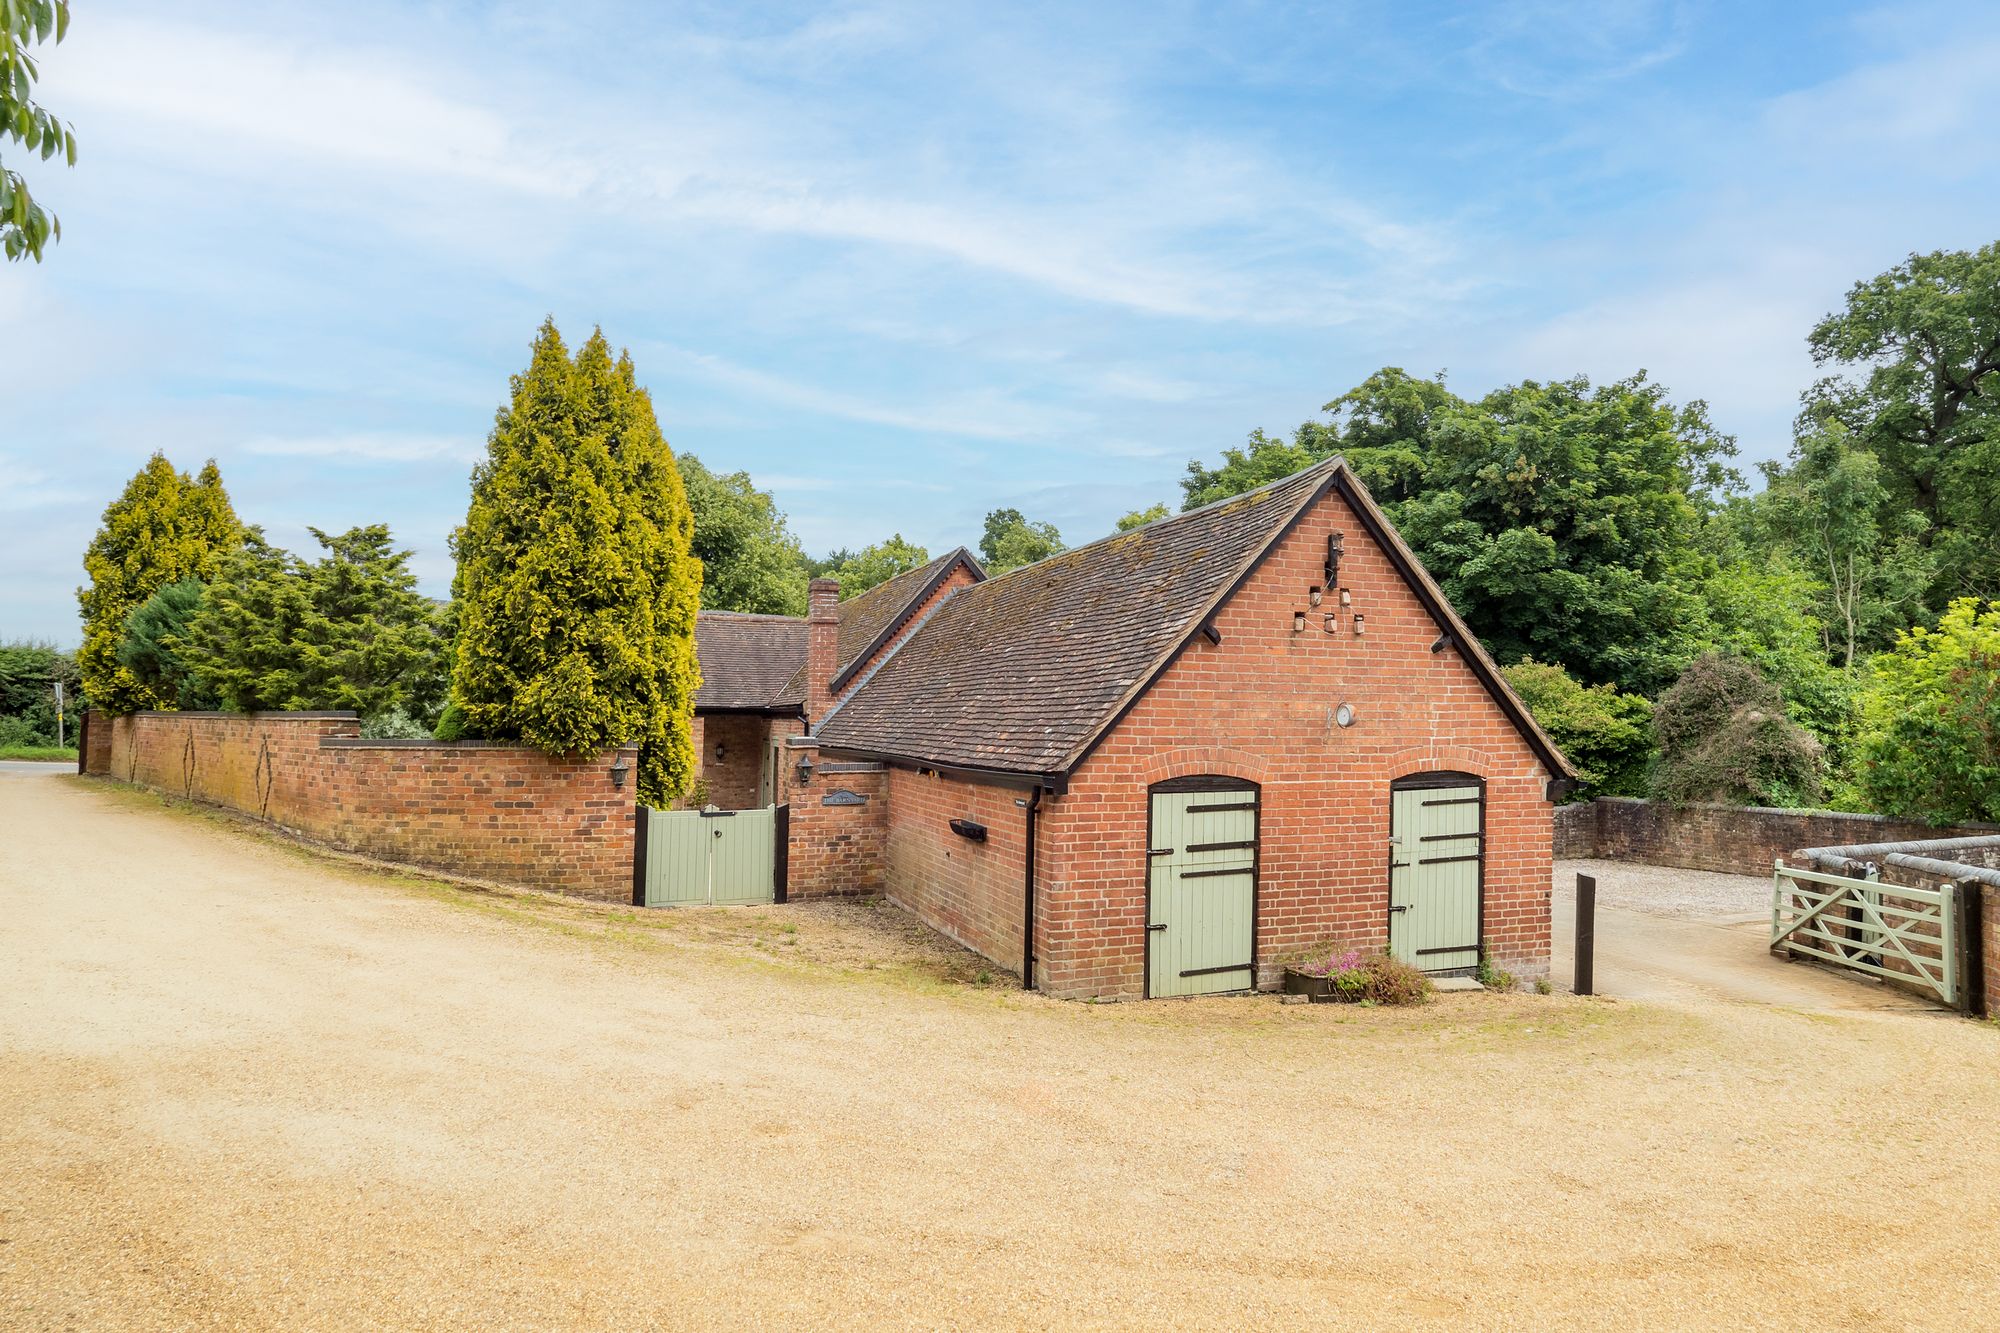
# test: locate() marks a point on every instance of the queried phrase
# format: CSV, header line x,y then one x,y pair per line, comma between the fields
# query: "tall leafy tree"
x,y
750,560
1834,511
26,227
1382,426
164,528
1766,613
1565,522
1011,540
1139,518
1930,743
1564,519
1920,345
577,582
858,571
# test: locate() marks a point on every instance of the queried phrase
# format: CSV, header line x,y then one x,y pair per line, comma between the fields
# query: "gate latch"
x,y
1160,926
1399,907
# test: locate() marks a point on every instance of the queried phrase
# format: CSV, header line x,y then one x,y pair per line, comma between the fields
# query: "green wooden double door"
x,y
1201,878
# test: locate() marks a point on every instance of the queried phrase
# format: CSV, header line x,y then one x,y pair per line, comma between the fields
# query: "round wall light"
x,y
1344,715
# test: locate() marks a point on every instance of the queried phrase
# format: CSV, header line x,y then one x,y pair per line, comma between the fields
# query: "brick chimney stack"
x,y
822,647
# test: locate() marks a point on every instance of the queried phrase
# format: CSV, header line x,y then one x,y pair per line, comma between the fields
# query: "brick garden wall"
x,y
972,891
1259,705
496,812
1733,839
836,850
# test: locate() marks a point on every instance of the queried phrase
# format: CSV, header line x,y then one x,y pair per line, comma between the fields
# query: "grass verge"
x,y
52,753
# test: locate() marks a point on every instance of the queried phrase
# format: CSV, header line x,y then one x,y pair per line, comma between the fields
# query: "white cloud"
x,y
982,414
369,447
252,106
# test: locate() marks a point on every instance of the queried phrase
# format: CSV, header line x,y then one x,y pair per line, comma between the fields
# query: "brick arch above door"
x,y
1203,760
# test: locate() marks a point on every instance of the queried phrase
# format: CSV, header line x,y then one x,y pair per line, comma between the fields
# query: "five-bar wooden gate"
x,y
1892,932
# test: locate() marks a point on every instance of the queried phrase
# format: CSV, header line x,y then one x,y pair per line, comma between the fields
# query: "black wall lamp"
x,y
805,770
719,752
619,768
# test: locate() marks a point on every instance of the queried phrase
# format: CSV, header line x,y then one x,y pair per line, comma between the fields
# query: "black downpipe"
x,y
1028,894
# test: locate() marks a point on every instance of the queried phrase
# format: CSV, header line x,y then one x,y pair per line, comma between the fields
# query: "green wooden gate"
x,y
709,856
1201,887
1892,932
1437,836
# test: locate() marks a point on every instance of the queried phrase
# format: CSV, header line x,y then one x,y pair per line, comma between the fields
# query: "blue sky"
x,y
908,263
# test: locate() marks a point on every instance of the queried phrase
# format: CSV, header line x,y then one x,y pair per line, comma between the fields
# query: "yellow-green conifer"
x,y
165,527
577,588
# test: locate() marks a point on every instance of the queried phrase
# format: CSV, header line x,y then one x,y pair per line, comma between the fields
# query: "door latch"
x,y
1160,926
1399,907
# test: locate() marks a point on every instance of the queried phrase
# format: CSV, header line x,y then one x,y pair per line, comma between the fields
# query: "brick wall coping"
x,y
1915,855
276,715
1856,817
403,743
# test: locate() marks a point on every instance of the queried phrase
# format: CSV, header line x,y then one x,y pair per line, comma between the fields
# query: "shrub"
x,y
1724,736
1604,733
1930,739
1369,977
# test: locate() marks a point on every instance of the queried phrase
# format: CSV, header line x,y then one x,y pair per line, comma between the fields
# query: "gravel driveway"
x,y
242,1087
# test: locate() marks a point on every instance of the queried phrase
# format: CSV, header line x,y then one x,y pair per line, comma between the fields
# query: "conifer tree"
x,y
165,527
576,581
348,631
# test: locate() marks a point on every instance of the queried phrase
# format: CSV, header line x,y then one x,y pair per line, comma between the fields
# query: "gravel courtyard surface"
x,y
241,1087
1662,891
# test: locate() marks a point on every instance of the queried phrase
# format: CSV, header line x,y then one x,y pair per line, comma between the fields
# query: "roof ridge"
x,y
1329,465
1191,625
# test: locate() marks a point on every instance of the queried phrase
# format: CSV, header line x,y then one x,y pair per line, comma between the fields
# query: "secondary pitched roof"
x,y
1023,674
745,659
758,662
870,619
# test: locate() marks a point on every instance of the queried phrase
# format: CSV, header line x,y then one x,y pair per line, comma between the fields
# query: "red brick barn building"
x,y
1162,763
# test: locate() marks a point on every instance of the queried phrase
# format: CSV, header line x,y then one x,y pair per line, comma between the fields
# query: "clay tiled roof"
x,y
759,662
746,659
1021,672
870,619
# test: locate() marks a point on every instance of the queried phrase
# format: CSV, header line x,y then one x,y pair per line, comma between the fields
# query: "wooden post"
x,y
1586,934
1968,903
642,822
781,854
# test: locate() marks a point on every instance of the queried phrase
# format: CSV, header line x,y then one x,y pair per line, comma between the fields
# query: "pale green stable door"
x,y
1201,892
1435,853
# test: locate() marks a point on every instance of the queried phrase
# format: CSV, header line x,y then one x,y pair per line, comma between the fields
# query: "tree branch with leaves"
x,y
26,227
